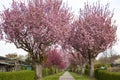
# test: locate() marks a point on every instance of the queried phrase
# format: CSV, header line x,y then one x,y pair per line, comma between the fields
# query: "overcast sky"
x,y
6,48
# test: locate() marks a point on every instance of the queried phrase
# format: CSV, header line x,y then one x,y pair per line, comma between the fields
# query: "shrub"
x,y
98,65
86,72
24,75
20,75
106,75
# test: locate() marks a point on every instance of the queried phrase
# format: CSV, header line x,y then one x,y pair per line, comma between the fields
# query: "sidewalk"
x,y
66,76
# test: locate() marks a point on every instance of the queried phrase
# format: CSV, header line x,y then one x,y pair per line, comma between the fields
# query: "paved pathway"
x,y
66,76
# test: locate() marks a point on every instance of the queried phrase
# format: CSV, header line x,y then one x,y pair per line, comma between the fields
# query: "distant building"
x,y
12,65
116,63
5,65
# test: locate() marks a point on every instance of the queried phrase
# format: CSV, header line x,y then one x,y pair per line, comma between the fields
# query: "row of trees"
x,y
93,32
55,59
36,25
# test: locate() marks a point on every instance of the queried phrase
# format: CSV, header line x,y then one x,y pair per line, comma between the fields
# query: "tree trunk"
x,y
83,69
56,69
73,69
91,67
38,71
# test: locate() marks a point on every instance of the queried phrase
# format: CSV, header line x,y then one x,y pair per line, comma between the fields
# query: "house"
x,y
5,65
12,65
116,63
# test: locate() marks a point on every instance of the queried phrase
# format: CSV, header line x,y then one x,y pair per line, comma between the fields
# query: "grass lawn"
x,y
80,77
53,77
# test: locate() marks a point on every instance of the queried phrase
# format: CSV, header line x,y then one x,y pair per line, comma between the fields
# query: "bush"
x,y
106,75
98,65
20,75
86,72
24,75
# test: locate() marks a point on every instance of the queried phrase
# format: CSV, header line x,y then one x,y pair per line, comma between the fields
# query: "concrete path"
x,y
66,76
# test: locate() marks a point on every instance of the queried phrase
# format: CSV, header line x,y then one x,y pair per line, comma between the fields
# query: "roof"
x,y
2,58
4,63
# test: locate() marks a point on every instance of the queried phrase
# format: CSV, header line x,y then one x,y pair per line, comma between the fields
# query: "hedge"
x,y
25,75
106,75
20,75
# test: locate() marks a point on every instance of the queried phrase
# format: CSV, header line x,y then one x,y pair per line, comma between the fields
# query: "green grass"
x,y
80,77
53,77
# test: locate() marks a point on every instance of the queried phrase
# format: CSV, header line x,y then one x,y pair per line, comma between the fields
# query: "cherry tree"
x,y
73,62
54,59
74,56
80,60
63,65
35,25
93,32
